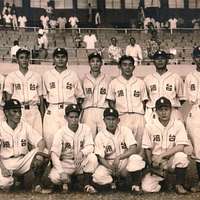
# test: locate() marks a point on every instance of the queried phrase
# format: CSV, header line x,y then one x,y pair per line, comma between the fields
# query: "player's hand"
x,y
64,177
5,172
116,162
157,161
78,159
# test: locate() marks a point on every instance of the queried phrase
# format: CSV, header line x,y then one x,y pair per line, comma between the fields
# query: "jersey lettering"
x,y
17,86
169,87
156,138
108,148
6,144
136,93
52,85
32,86
67,145
123,145
88,90
172,138
23,142
192,87
120,93
103,91
68,86
152,88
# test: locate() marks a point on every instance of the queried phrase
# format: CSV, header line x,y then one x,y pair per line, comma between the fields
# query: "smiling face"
x,y
95,64
23,60
60,60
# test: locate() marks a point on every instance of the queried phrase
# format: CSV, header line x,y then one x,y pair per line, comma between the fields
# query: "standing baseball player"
x,y
61,88
26,86
95,86
163,83
15,157
115,147
192,94
72,151
164,140
128,95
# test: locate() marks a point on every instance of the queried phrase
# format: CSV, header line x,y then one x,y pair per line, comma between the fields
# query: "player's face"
x,y
197,61
111,123
95,64
164,113
60,60
13,115
23,60
127,68
160,63
73,120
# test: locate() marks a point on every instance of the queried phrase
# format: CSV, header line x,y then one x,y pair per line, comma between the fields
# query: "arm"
x,y
104,162
56,162
4,171
148,155
132,150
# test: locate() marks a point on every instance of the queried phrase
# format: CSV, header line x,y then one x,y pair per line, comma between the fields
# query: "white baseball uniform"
x,y
169,85
14,151
2,79
60,90
192,94
109,146
160,139
129,96
95,90
27,89
66,145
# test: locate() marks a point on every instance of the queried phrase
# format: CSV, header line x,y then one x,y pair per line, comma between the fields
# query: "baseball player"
x,y
164,140
115,147
15,157
72,151
26,86
2,96
61,88
163,83
95,86
192,94
128,95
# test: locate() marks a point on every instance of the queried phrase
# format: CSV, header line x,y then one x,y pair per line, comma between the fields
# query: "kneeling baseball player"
x,y
15,157
72,152
115,147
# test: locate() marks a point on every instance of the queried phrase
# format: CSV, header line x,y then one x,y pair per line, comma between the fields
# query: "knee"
x,y
54,177
91,163
135,163
6,182
180,160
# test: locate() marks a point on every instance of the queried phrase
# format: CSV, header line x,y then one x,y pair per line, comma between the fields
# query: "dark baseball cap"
x,y
161,54
163,101
125,57
110,112
196,52
72,108
94,55
60,51
22,50
12,104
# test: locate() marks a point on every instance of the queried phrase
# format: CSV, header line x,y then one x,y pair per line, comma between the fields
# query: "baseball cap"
x,y
94,55
110,112
22,50
163,101
196,52
161,54
72,108
12,104
60,51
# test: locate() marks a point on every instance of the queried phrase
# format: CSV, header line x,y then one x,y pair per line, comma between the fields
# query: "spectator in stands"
x,y
114,52
7,19
6,8
195,23
14,17
172,24
73,20
134,50
22,22
61,23
90,39
44,19
78,39
153,45
147,20
53,23
14,50
90,14
43,43
97,19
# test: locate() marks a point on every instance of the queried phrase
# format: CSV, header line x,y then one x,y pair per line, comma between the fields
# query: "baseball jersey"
x,y
95,90
25,88
62,87
192,87
160,138
169,85
128,94
14,143
109,146
67,144
2,78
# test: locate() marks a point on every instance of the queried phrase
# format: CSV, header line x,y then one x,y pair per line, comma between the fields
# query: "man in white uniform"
x,y
90,40
128,95
115,147
15,157
164,140
95,86
61,88
26,86
72,152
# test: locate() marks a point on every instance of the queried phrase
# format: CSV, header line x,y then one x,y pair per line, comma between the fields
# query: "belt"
x,y
59,105
27,106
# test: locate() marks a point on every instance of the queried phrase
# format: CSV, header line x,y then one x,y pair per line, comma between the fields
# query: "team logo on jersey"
x,y
153,88
103,91
23,142
123,145
88,90
169,87
192,87
67,145
17,86
136,93
108,149
172,138
120,93
156,138
33,86
52,85
6,144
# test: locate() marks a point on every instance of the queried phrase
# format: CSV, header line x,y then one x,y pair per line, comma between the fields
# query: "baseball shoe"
x,y
180,190
195,188
113,186
136,189
39,189
65,188
90,189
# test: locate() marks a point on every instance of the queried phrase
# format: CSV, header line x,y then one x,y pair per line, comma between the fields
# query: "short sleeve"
x,y
146,139
181,136
8,87
111,92
57,143
99,149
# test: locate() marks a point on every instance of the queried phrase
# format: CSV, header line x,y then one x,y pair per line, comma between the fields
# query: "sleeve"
x,y
179,87
8,87
144,95
129,138
127,51
146,139
111,92
188,94
99,148
140,53
40,90
181,136
57,144
88,143
78,88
